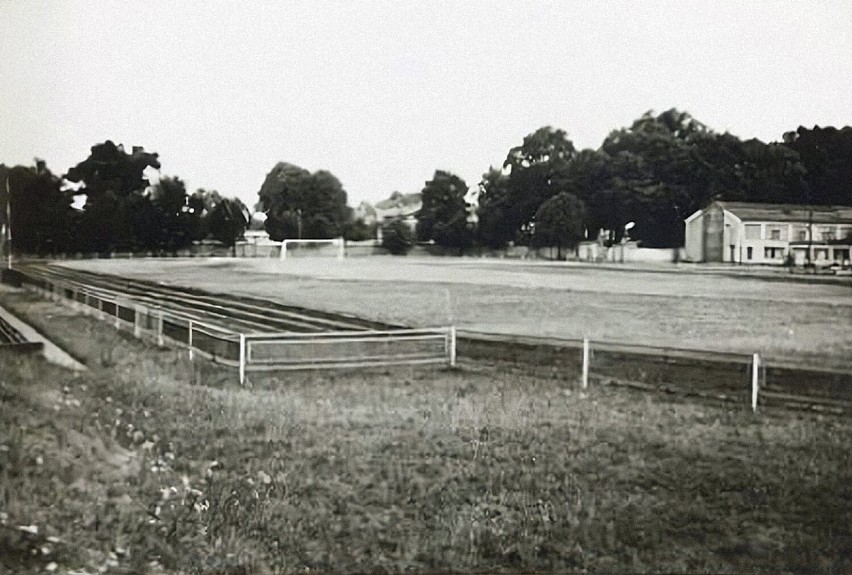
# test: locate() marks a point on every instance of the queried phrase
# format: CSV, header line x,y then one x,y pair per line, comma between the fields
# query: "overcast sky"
x,y
384,93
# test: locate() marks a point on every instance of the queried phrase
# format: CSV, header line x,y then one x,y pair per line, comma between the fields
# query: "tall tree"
x,y
535,171
560,222
826,155
40,211
496,226
228,221
113,181
298,203
170,199
443,216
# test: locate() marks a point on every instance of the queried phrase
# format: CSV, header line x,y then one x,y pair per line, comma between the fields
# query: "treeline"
x,y
648,177
122,212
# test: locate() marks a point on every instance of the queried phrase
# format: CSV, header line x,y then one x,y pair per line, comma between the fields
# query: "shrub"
x,y
397,237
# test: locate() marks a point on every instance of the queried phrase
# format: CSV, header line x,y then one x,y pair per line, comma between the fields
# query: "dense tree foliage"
x,y
122,210
560,222
654,173
397,237
228,221
443,215
301,204
657,172
40,211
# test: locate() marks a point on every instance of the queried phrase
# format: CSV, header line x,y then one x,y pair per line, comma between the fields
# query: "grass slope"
x,y
151,463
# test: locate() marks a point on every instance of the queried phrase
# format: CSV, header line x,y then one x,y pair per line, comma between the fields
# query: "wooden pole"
x,y
585,363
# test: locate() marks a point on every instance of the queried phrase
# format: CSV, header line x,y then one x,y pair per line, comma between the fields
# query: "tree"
x,y
443,215
397,237
299,204
358,231
651,170
228,221
496,225
560,222
176,225
826,155
40,210
113,181
535,171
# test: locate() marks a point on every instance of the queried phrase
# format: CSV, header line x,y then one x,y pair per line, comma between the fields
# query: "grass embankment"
x,y
148,462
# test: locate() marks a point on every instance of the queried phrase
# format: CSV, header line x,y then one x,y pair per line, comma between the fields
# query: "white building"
x,y
741,232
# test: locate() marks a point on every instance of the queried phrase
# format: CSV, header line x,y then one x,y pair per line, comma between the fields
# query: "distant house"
x,y
741,232
399,206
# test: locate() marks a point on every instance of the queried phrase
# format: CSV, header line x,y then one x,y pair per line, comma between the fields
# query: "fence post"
x,y
160,341
755,376
585,363
190,340
137,329
452,346
242,358
100,309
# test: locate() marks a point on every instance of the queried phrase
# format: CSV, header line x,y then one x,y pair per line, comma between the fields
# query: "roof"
x,y
789,213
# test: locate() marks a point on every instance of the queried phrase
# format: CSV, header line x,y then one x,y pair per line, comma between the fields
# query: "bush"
x,y
397,237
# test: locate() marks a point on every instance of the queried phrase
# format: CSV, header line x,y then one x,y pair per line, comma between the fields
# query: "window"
x,y
748,252
826,233
774,234
803,235
752,231
773,253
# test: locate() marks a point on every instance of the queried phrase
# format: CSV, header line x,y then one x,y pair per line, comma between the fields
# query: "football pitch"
x,y
793,321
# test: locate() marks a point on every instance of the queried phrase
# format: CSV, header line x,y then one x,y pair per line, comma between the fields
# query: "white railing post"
x,y
585,363
341,254
160,341
283,250
100,309
190,340
242,359
755,372
452,346
137,329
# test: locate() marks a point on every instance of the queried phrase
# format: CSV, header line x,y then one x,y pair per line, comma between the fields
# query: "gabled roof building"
x,y
740,232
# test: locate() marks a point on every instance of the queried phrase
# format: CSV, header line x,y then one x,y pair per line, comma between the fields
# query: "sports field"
x,y
782,319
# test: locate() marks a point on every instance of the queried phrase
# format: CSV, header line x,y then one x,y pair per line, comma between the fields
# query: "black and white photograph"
x,y
425,286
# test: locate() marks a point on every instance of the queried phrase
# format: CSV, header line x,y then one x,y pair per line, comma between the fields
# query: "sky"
x,y
383,93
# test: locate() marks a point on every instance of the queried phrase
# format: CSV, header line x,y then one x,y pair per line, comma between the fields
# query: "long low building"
x,y
740,232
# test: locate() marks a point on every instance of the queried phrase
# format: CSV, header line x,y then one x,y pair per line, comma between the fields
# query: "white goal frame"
x,y
340,242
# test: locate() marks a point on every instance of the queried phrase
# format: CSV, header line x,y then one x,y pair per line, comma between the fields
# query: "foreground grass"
x,y
151,463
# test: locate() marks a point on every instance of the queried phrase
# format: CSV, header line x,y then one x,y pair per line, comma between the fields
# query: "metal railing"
x,y
254,351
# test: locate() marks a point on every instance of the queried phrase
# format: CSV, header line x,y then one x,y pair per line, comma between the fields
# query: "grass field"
x,y
787,320
150,463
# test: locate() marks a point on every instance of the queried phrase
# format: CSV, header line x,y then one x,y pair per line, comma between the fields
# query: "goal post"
x,y
340,243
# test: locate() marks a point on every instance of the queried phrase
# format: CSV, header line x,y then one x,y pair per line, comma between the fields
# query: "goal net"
x,y
335,248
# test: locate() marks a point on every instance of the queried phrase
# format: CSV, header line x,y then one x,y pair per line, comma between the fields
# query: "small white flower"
x,y
51,566
39,460
29,529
